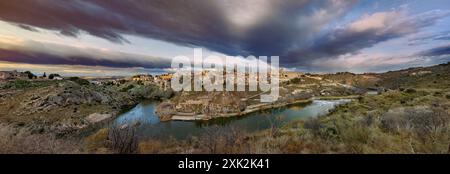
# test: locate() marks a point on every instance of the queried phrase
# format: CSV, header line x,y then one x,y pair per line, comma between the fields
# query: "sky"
x,y
125,37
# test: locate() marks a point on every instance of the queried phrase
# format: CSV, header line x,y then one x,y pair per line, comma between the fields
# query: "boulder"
x,y
165,111
96,117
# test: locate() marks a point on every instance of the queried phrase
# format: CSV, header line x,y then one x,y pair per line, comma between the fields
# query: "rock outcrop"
x,y
210,105
165,111
97,118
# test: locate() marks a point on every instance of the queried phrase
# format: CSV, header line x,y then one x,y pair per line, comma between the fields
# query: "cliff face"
x,y
165,111
209,104
225,102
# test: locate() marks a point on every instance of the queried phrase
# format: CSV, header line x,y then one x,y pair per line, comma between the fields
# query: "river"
x,y
151,127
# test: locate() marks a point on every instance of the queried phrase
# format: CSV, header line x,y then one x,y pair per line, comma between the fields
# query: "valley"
x,y
405,111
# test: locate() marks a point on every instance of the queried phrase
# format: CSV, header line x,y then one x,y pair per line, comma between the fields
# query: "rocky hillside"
x,y
423,77
437,77
64,106
208,103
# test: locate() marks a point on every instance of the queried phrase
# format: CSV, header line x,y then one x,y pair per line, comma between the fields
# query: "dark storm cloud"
x,y
364,33
424,39
292,25
49,59
296,30
183,22
27,27
438,51
35,52
194,23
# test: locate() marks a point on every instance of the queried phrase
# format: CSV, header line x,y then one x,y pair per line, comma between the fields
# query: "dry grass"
x,y
13,141
122,140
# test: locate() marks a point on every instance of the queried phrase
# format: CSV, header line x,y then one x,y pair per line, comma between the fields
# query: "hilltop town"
x,y
295,88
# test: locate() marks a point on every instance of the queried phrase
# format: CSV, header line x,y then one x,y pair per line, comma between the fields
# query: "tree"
x,y
30,75
124,140
80,81
52,76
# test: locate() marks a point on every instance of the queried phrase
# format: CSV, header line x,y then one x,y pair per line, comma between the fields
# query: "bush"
x,y
30,75
52,76
123,139
426,121
223,140
295,80
355,137
13,141
98,141
422,121
19,84
79,81
150,147
410,90
127,88
394,120
313,124
147,91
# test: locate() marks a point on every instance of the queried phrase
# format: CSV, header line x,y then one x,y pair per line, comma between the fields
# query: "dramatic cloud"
x,y
304,33
426,38
77,70
439,51
365,32
260,27
381,62
50,53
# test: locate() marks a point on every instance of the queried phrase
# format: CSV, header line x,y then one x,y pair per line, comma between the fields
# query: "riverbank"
x,y
249,109
183,116
336,97
150,126
377,127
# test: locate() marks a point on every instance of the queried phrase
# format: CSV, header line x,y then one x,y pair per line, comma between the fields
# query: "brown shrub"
x,y
423,121
223,140
123,139
14,141
313,124
150,147
97,142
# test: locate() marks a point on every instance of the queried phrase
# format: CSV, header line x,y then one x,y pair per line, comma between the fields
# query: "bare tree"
x,y
210,139
224,140
123,139
274,122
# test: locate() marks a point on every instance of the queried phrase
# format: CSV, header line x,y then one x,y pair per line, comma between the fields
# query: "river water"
x,y
151,127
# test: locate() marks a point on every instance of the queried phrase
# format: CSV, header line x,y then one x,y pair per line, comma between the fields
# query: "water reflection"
x,y
150,125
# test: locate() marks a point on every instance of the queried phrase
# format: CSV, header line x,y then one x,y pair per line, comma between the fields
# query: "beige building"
x,y
142,77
